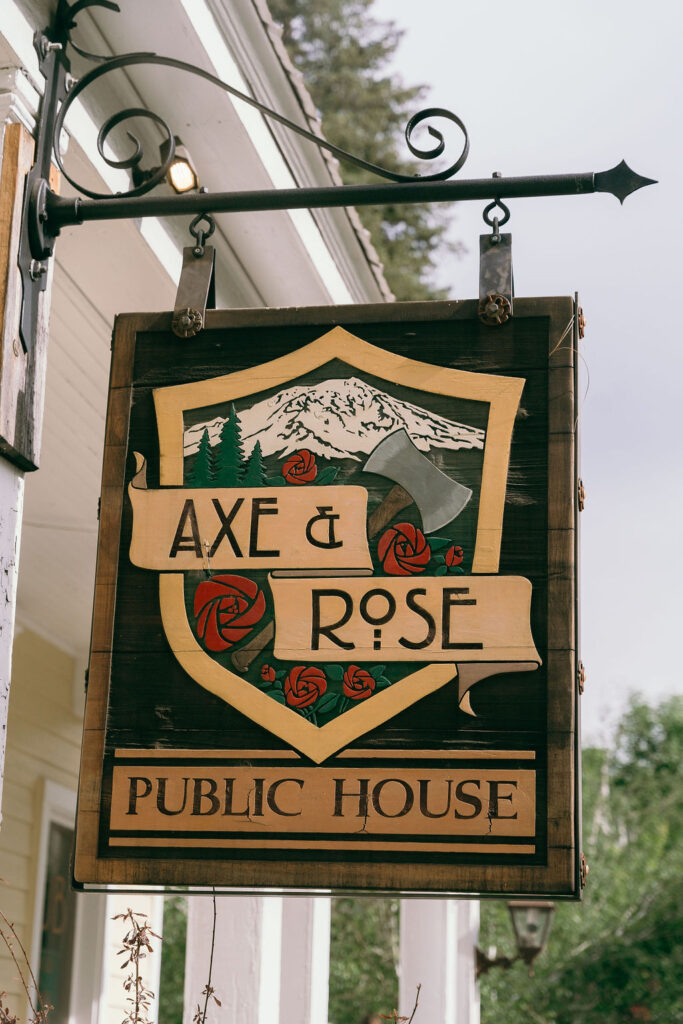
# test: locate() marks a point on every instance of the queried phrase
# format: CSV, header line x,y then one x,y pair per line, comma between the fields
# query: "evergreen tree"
x,y
255,471
230,458
203,468
343,53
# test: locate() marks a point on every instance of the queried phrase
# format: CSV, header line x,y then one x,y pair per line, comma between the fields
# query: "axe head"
x,y
438,498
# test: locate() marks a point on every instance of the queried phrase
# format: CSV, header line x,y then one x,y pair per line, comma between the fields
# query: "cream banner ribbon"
x,y
442,618
479,624
315,529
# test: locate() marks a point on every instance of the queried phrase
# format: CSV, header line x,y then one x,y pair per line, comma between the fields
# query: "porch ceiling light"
x,y
181,175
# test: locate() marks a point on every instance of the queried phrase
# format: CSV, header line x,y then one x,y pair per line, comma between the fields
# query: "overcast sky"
x,y
545,88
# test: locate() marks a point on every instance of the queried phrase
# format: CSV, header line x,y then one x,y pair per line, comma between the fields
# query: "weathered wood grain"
x,y
148,701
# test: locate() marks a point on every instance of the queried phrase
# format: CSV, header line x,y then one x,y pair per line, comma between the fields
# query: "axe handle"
x,y
243,658
396,500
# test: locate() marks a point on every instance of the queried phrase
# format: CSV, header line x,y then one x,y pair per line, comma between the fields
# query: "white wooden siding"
x,y
43,742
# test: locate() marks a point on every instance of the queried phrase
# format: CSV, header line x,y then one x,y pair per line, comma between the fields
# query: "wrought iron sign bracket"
x,y
45,213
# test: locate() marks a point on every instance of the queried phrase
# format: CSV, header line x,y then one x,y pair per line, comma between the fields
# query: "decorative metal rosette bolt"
x,y
187,322
494,309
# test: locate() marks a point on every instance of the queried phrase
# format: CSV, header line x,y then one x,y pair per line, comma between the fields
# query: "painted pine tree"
x,y
230,453
203,469
255,471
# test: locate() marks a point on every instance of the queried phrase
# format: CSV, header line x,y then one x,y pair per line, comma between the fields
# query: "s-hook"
x,y
200,234
496,223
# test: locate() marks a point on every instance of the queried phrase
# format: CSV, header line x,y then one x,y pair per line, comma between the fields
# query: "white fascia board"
x,y
220,57
17,35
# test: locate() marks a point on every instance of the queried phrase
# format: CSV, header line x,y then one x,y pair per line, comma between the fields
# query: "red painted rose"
x,y
403,550
300,467
304,685
454,556
227,608
268,673
358,684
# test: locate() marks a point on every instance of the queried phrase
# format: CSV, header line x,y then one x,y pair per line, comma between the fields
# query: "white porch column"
x,y
305,972
435,953
246,961
271,959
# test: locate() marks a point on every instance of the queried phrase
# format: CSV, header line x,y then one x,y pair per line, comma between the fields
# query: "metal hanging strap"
x,y
197,284
496,286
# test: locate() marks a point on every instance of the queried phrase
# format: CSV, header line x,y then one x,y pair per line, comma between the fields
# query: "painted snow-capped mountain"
x,y
338,418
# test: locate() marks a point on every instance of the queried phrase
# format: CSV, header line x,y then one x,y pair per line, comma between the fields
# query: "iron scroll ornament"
x,y
45,213
108,65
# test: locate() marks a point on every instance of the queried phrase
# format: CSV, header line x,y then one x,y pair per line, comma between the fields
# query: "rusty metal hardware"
x,y
581,495
496,286
582,323
187,322
494,309
581,676
196,287
583,870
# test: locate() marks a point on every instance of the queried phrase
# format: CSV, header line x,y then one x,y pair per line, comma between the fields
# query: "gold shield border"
x,y
503,395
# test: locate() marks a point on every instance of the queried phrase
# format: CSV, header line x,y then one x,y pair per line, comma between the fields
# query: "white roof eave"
x,y
326,253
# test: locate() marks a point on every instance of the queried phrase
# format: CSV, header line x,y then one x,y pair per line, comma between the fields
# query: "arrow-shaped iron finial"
x,y
620,181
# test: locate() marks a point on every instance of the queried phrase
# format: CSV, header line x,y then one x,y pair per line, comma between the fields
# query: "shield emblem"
x,y
334,519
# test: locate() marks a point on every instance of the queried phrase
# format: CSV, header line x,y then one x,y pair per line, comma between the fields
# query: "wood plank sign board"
x,y
334,631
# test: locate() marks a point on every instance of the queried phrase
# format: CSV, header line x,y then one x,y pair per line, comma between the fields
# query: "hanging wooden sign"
x,y
334,627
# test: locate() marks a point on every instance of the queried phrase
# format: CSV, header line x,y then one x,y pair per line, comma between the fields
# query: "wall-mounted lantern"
x,y
531,923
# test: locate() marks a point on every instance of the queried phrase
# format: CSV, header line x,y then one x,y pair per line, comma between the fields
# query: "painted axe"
x,y
416,480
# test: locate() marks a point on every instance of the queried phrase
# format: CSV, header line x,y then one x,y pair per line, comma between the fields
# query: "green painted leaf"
x,y
277,695
456,569
376,671
328,702
335,672
436,543
381,684
327,476
439,559
441,570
